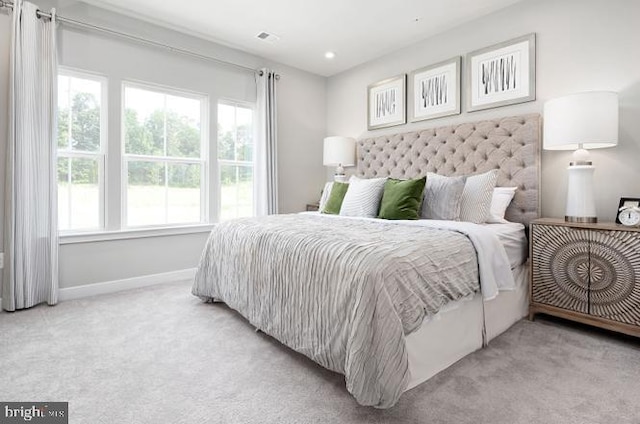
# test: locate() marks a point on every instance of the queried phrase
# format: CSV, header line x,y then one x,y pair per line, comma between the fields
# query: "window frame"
x,y
101,155
111,161
203,160
221,162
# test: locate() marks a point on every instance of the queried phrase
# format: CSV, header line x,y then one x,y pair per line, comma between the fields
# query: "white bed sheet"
x,y
514,241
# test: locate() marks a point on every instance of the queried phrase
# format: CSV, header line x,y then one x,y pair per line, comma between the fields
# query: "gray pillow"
x,y
476,197
363,197
442,197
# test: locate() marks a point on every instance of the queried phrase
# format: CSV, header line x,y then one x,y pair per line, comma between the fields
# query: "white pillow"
x,y
363,197
325,195
500,201
442,197
475,205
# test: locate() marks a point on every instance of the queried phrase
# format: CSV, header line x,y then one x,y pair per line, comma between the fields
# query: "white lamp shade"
x,y
590,119
339,151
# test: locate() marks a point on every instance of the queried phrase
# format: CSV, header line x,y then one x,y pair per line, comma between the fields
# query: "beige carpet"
x,y
159,355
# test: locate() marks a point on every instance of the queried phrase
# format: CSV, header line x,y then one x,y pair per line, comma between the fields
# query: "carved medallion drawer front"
x,y
560,267
615,275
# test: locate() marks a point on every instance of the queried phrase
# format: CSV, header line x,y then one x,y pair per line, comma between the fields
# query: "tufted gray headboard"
x,y
511,145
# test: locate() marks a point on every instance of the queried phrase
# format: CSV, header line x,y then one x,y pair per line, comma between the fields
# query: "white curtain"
x,y
31,228
266,166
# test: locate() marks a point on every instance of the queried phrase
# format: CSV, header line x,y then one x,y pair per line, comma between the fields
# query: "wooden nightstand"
x,y
313,207
588,273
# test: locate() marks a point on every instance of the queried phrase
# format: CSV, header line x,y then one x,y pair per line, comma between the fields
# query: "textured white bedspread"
x,y
345,292
493,261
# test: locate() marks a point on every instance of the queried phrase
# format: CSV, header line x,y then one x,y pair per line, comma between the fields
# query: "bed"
x,y
367,315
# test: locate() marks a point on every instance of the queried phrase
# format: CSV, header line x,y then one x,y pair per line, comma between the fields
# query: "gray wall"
x,y
301,126
582,45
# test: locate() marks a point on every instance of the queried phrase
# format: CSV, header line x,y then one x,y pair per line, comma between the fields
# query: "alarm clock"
x,y
629,216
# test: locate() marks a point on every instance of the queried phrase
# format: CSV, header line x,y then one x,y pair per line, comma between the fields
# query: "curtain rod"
x,y
141,40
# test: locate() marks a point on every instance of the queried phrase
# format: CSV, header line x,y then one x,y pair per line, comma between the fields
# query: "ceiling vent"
x,y
265,36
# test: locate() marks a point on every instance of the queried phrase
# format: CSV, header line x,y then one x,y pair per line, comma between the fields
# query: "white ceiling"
x,y
356,30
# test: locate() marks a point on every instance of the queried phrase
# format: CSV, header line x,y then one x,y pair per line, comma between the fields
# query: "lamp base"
x,y
339,176
581,219
581,205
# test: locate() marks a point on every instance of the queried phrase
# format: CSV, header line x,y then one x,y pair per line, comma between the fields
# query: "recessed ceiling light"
x,y
329,55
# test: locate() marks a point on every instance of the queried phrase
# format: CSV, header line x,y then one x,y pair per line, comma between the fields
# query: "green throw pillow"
x,y
338,190
402,199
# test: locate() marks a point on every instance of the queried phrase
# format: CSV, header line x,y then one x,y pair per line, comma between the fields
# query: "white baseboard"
x,y
77,292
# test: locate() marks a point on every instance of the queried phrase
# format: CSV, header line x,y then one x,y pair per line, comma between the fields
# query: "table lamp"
x,y
579,122
339,152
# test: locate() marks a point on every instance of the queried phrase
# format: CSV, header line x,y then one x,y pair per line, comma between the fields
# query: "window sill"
x,y
91,237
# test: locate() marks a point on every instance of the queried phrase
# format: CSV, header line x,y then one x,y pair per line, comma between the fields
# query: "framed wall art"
x,y
435,90
386,103
503,74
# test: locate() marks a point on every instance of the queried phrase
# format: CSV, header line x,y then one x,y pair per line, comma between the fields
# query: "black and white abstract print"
x,y
503,74
386,103
500,74
434,91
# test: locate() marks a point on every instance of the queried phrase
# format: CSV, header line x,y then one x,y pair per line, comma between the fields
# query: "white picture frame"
x,y
435,90
502,74
386,104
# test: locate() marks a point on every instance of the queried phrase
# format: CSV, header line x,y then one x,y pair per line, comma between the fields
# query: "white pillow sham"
x,y
326,192
475,205
502,197
363,197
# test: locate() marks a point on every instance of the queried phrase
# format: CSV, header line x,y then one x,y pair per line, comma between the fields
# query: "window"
x,y
81,135
235,160
159,166
163,164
